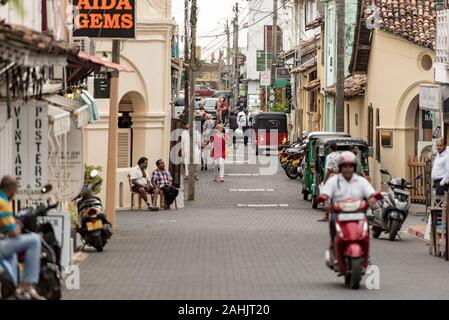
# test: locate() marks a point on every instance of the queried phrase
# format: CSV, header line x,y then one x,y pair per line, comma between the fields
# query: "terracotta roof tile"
x,y
414,20
305,66
312,84
315,23
23,37
354,85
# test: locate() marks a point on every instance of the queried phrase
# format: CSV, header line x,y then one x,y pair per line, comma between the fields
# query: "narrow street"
x,y
245,244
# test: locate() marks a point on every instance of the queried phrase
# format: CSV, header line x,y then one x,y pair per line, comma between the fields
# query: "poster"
x,y
30,152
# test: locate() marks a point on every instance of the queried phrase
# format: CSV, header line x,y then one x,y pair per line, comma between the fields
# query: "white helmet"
x,y
347,157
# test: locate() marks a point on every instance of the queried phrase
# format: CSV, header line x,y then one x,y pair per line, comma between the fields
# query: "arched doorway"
x,y
129,105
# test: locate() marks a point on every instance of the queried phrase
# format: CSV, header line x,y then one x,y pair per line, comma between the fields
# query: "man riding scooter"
x,y
13,242
347,184
348,252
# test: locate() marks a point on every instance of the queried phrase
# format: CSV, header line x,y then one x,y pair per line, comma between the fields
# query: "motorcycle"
x,y
49,285
94,227
393,211
349,253
292,168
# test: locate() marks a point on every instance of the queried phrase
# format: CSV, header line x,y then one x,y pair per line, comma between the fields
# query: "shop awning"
x,y
59,119
93,109
78,109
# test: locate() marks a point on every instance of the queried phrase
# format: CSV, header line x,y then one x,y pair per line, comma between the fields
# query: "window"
x,y
268,39
426,62
124,148
309,11
312,101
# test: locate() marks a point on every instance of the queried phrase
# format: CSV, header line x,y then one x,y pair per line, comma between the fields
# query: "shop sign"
x,y
104,18
102,84
429,97
265,78
30,147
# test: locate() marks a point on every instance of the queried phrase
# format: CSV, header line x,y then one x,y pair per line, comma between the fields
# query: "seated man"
x,y
163,182
141,183
15,242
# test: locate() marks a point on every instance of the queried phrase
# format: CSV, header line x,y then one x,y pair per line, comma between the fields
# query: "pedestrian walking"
x,y
219,140
208,129
219,109
233,126
225,112
244,120
185,149
440,169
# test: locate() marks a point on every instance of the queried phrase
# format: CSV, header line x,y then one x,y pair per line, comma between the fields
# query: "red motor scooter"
x,y
349,254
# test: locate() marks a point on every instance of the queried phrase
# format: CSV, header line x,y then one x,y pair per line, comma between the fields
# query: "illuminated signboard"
x,y
104,18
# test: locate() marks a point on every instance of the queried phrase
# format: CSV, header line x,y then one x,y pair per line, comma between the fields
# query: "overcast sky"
x,y
212,17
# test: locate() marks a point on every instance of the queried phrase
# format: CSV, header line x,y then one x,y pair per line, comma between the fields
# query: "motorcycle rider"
x,y
347,184
15,242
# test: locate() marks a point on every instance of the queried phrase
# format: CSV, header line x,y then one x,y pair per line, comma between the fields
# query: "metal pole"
x,y
112,138
228,58
186,57
274,30
192,166
340,87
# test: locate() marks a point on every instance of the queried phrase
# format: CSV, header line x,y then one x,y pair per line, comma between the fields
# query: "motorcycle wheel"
x,y
292,172
49,285
395,224
97,243
355,275
314,204
376,232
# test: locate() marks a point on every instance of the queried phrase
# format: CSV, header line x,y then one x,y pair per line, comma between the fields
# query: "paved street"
x,y
245,244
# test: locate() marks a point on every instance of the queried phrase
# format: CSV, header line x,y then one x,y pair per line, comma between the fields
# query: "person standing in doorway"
x,y
440,169
219,141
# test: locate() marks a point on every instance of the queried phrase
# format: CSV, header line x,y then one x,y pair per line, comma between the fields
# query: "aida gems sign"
x,y
104,18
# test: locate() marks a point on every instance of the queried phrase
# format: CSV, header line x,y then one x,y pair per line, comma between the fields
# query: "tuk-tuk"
x,y
266,124
321,150
310,160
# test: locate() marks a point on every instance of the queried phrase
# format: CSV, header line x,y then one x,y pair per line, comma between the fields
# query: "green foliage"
x,y
279,107
17,5
72,209
88,179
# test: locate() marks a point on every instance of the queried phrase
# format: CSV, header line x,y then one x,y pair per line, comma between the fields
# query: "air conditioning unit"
x,y
84,44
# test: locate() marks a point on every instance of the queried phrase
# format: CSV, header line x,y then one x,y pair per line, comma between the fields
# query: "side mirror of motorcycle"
x,y
46,189
94,173
384,171
321,198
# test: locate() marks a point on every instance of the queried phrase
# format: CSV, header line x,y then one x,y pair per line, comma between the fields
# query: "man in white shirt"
x,y
141,182
440,169
243,118
347,184
185,149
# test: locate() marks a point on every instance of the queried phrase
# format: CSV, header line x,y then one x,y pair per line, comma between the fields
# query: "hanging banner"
x,y
429,97
68,181
30,147
104,18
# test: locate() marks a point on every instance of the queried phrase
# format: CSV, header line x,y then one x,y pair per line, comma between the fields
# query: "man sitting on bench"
x,y
163,182
141,182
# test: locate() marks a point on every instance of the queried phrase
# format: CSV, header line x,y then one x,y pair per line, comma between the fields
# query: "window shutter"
x,y
124,148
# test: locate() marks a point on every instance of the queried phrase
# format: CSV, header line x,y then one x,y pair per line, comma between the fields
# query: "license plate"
x,y
295,162
94,225
351,216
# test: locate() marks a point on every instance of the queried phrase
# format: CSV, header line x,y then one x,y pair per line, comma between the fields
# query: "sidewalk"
x,y
416,223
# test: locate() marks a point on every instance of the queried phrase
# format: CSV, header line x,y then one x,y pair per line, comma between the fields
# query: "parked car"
x,y
203,91
222,94
209,106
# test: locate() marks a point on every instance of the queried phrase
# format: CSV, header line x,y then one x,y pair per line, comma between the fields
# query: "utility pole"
x,y
111,176
220,69
340,86
192,166
274,37
236,73
186,58
228,57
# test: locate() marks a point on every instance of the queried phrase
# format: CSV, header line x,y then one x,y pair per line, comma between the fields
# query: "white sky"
x,y
212,17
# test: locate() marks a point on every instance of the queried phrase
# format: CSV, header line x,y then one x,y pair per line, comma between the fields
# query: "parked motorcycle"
x,y
393,211
94,227
292,168
49,284
349,255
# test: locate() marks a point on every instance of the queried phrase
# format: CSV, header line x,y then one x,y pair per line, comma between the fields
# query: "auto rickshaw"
x,y
321,150
307,180
268,125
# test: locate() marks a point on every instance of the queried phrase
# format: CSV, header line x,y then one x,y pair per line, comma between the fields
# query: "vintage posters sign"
x,y
30,147
104,18
429,97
